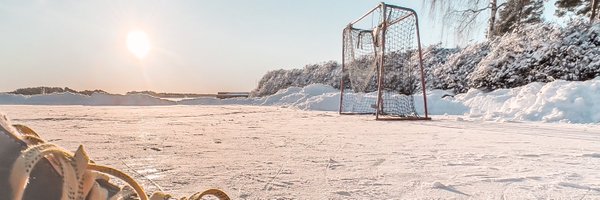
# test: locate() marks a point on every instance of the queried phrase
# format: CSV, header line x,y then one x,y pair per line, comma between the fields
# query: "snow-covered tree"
x,y
540,53
327,73
518,13
577,7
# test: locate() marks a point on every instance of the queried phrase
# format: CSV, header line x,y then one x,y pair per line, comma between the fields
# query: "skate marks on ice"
x,y
438,185
529,161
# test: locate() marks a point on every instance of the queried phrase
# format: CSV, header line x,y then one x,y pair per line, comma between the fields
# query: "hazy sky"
x,y
197,46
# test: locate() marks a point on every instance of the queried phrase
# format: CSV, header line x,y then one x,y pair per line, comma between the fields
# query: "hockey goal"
x,y
382,67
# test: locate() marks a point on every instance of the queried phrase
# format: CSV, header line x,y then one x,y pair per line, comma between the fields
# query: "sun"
x,y
138,43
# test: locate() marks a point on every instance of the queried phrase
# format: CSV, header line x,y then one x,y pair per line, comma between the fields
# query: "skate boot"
x,y
32,169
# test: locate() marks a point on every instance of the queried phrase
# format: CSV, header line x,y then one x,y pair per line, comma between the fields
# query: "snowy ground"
x,y
268,152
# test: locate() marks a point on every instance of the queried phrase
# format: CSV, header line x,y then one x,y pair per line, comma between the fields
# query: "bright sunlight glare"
x,y
138,43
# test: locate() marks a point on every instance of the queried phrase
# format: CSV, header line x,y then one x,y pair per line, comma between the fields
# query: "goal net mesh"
x,y
381,70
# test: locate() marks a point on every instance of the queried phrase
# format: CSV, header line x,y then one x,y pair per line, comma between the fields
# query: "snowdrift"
x,y
557,101
96,99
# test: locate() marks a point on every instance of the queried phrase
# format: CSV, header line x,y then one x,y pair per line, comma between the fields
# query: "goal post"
x,y
382,65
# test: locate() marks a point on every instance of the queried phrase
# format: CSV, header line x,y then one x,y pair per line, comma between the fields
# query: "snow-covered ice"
x,y
266,152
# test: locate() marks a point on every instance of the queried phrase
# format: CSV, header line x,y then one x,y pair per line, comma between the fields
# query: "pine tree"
x,y
577,7
532,12
594,10
518,13
568,6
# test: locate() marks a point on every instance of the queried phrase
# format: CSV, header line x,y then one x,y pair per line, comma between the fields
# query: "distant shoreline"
x,y
163,95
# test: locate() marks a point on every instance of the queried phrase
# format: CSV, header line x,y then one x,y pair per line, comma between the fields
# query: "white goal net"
x,y
382,65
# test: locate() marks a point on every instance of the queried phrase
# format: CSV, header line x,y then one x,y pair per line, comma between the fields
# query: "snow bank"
x,y
96,99
557,101
312,97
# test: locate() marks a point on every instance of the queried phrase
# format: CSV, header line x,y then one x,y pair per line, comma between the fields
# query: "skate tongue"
x,y
8,129
81,160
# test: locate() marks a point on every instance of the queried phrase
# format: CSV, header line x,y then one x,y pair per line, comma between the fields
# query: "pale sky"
x,y
196,46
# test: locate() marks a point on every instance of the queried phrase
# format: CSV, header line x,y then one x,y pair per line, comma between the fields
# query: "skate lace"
x,y
76,169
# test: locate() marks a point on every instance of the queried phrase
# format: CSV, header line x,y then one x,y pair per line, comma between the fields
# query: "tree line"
x,y
50,90
505,15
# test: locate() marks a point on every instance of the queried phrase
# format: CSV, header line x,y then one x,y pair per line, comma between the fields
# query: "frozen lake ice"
x,y
269,152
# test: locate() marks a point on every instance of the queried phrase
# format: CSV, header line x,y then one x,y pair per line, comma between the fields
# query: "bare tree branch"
x,y
464,15
481,9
